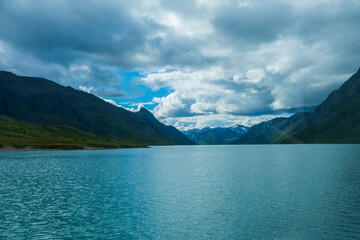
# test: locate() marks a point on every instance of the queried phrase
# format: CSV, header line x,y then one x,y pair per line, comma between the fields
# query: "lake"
x,y
182,192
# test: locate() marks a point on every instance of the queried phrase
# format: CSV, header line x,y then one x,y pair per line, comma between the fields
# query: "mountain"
x,y
213,136
46,103
161,129
335,120
341,127
21,134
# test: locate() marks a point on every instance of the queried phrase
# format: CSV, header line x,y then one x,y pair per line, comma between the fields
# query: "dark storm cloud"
x,y
254,24
63,31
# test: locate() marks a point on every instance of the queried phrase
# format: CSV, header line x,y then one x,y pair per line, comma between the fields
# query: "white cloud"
x,y
111,102
86,89
285,79
139,105
118,105
254,76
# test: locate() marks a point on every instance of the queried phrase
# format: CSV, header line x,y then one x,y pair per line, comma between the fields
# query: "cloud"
x,y
111,102
219,120
141,104
119,105
233,58
91,90
253,23
86,89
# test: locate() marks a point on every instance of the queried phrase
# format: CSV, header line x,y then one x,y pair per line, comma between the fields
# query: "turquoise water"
x,y
182,192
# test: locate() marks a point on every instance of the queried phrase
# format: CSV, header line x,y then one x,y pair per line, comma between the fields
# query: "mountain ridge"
x,y
218,135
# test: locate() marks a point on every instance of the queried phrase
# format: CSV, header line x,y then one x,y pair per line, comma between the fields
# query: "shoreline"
x,y
33,149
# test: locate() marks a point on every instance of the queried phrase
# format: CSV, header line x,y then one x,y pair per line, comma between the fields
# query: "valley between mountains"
x,y
41,114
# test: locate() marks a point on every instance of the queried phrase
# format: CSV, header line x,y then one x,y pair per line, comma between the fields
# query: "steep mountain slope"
x,y
174,134
341,127
279,129
47,103
20,134
213,136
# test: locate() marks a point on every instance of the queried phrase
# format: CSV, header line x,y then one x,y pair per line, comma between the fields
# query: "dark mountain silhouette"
x,y
334,120
47,103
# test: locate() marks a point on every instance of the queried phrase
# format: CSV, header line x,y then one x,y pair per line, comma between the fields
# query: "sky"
x,y
193,63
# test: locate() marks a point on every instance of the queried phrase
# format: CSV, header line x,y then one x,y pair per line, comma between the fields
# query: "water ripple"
x,y
220,192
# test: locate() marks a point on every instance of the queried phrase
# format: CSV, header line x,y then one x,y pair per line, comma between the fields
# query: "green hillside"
x,y
342,127
20,134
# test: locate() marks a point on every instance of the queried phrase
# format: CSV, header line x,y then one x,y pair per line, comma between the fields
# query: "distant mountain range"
x,y
46,103
336,120
219,135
